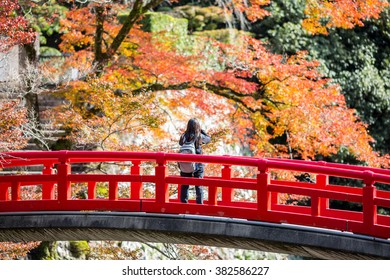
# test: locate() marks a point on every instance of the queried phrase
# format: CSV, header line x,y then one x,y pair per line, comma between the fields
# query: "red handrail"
x,y
55,182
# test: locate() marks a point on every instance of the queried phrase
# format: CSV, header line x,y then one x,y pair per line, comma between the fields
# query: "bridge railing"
x,y
158,191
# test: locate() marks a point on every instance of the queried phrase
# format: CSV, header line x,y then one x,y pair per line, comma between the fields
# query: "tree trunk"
x,y
100,57
136,13
31,97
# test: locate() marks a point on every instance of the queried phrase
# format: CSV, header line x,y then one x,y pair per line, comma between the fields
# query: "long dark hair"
x,y
193,131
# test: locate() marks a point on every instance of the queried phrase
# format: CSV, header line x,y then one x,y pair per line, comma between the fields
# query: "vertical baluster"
x,y
113,190
274,198
162,191
64,189
263,195
320,204
212,195
91,190
227,193
369,208
15,190
48,187
4,191
136,187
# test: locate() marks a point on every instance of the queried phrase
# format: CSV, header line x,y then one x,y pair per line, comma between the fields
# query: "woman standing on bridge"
x,y
196,136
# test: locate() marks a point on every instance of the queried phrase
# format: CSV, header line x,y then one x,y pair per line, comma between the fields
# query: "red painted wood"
x,y
48,189
4,191
136,186
56,180
91,190
15,191
227,193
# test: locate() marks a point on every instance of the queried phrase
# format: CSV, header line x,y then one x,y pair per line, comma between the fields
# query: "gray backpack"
x,y
187,148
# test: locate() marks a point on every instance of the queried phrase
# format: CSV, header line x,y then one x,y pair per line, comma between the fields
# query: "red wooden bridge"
x,y
151,185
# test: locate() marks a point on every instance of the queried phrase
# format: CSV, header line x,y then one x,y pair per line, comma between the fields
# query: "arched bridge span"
x,y
148,183
191,229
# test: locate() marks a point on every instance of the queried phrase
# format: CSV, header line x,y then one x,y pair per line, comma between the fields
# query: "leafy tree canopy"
x,y
357,59
268,93
13,26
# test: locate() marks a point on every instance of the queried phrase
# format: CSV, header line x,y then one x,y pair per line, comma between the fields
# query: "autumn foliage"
x,y
13,27
287,97
134,83
278,106
13,31
11,250
323,15
12,117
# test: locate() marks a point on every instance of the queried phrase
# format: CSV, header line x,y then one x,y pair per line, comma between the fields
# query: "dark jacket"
x,y
204,140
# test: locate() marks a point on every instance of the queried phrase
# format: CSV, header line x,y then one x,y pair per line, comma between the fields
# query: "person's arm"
x,y
205,138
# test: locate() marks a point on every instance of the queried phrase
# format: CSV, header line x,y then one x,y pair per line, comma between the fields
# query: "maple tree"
x,y
13,27
107,108
11,250
83,34
105,47
267,94
100,118
354,58
12,118
277,93
325,14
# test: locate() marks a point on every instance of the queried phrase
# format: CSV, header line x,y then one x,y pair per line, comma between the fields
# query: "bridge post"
x,y
369,208
263,195
227,193
162,191
136,187
113,190
91,190
319,204
63,170
15,190
212,195
4,191
48,188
